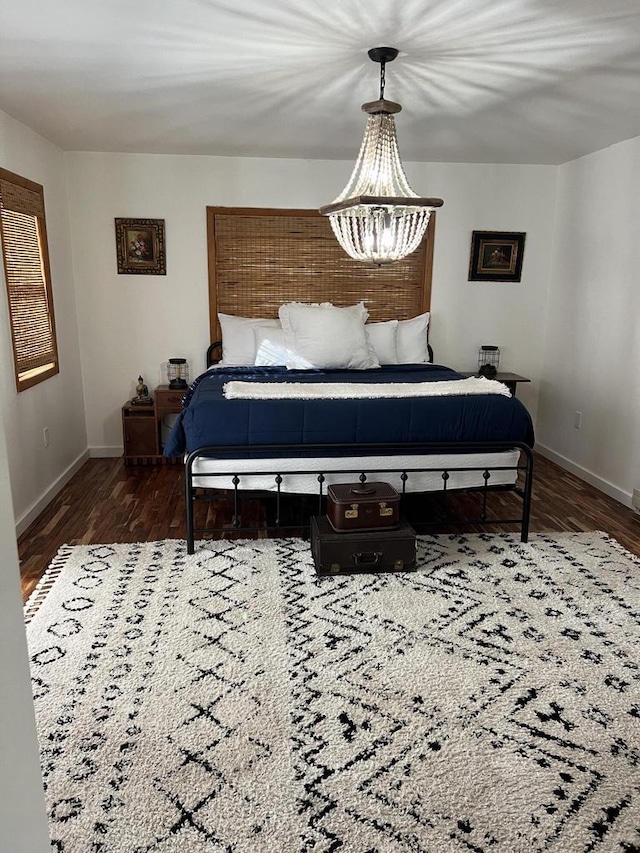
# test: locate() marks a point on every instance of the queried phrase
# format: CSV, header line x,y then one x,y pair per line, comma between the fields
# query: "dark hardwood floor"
x,y
108,502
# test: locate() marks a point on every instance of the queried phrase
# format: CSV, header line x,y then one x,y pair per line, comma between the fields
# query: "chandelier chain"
x,y
382,79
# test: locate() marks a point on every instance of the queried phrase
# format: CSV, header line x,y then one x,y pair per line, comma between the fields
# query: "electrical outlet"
x,y
45,435
577,419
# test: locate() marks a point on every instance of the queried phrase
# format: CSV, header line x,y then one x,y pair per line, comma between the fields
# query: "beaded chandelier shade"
x,y
378,217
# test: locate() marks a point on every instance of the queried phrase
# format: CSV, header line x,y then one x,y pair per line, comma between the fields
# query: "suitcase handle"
x,y
363,490
367,557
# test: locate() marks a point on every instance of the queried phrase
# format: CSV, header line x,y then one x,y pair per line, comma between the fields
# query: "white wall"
x,y
57,403
592,351
23,824
30,472
131,324
511,315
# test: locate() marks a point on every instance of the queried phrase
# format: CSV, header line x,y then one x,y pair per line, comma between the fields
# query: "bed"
x,y
252,424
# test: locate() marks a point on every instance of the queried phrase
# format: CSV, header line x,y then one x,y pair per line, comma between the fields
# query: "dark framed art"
x,y
496,255
140,246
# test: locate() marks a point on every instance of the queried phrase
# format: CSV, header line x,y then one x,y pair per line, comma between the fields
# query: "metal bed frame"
x,y
194,493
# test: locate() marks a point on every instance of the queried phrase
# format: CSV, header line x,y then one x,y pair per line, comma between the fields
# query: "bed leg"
x,y
278,496
321,479
526,501
189,499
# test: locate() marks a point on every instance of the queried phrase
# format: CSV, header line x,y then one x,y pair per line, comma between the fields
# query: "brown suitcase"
x,y
348,553
362,506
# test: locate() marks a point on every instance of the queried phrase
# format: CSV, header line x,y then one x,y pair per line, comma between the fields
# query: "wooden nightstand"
x,y
142,427
511,380
140,433
168,401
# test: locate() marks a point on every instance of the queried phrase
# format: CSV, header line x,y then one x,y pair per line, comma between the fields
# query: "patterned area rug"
x,y
233,701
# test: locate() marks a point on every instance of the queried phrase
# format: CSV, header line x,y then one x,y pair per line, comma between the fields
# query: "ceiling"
x,y
499,81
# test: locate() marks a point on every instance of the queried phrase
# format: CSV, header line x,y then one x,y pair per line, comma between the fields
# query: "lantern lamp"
x,y
178,373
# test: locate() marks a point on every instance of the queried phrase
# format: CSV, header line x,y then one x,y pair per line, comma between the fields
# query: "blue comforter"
x,y
208,418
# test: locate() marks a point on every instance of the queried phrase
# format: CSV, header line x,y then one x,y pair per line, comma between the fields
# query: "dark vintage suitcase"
x,y
362,506
375,551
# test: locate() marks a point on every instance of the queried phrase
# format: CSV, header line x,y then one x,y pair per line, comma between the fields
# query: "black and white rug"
x,y
233,701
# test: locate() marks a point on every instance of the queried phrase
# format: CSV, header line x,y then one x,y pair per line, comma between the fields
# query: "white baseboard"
x,y
45,499
105,452
588,476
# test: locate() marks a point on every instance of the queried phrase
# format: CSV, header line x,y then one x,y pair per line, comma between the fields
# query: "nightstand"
x,y
142,427
168,401
511,380
140,433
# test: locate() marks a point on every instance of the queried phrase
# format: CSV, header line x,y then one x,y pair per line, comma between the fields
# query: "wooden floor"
x,y
108,502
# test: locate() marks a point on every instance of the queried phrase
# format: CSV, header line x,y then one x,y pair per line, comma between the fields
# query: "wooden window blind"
x,y
28,279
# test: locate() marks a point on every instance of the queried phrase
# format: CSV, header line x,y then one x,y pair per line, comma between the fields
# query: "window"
x,y
26,264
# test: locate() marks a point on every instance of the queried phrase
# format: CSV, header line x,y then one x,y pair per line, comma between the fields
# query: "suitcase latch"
x,y
385,511
351,513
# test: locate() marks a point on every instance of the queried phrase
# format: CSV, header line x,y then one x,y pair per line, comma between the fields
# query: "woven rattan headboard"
x,y
260,258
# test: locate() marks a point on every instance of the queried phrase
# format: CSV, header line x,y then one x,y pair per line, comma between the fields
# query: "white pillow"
x,y
326,337
382,338
271,349
411,340
238,341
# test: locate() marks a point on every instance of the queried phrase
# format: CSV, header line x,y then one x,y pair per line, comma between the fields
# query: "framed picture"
x,y
140,246
496,255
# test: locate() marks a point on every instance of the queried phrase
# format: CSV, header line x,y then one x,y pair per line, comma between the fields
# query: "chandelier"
x,y
378,217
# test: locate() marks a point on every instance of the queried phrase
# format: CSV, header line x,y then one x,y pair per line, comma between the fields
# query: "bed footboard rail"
x,y
306,463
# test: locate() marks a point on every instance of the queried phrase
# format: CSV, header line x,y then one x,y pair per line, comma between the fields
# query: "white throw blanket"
x,y
237,390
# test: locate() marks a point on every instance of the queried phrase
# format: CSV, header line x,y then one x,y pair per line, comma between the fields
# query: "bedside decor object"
x,y
140,246
362,506
178,373
488,361
142,398
496,255
378,217
360,551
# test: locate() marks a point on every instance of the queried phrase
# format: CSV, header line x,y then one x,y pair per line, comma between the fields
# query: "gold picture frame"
x,y
140,247
496,255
